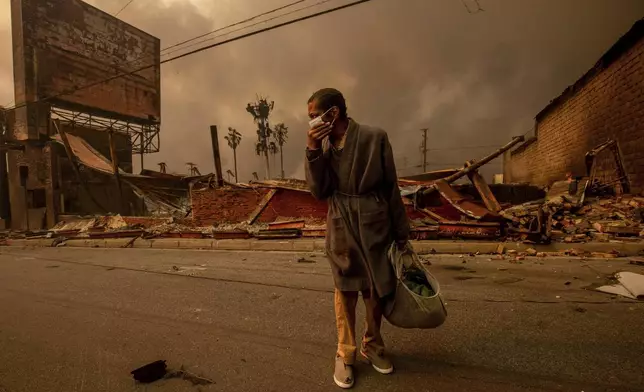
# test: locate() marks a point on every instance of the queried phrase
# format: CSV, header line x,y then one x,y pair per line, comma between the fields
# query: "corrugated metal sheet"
x,y
163,194
87,155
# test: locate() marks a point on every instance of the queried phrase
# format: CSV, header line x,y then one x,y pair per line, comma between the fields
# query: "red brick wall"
x,y
294,204
214,206
609,105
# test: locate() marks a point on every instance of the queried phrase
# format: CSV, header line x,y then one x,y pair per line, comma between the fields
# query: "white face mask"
x,y
318,120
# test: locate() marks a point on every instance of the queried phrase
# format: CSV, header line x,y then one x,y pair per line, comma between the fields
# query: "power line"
x,y
165,52
234,24
124,7
247,27
214,45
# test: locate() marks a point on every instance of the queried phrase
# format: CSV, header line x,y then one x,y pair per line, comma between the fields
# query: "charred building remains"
x,y
64,53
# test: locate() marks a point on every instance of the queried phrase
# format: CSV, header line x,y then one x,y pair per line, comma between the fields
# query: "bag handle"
x,y
397,260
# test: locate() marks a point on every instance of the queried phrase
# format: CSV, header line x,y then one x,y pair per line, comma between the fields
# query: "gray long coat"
x,y
366,211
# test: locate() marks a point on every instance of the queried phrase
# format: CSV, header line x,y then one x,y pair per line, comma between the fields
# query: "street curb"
x,y
317,245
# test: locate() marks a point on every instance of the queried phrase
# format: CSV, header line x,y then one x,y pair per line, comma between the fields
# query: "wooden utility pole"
x,y
216,155
423,149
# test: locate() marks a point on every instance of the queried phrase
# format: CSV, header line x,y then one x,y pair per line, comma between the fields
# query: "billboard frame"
x,y
82,47
144,137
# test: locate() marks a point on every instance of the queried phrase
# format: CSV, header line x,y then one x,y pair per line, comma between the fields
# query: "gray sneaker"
x,y
378,360
343,375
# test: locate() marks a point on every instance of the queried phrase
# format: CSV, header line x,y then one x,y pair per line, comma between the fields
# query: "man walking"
x,y
352,166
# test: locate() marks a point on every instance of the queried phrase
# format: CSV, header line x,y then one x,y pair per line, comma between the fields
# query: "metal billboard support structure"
x,y
144,137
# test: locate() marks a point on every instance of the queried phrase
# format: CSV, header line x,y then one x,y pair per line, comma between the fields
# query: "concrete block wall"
x,y
610,105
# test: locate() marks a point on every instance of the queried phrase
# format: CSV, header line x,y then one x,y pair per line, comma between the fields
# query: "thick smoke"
x,y
473,79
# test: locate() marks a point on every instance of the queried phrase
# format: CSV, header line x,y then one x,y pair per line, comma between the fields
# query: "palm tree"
x,y
261,111
234,139
272,149
280,134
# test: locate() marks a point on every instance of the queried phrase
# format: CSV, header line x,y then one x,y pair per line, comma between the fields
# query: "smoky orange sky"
x,y
473,79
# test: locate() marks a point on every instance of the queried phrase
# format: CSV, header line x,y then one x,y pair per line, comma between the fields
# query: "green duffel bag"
x,y
418,306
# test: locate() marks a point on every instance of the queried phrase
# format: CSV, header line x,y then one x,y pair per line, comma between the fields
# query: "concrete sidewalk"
x,y
317,245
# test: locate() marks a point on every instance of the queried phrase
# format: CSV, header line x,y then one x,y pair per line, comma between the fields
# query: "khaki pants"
x,y
345,317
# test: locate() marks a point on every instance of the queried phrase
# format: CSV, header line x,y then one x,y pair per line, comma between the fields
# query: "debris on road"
x,y
58,242
151,372
629,285
637,261
130,243
158,370
192,378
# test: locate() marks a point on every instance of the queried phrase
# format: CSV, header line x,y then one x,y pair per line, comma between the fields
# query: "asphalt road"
x,y
77,320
